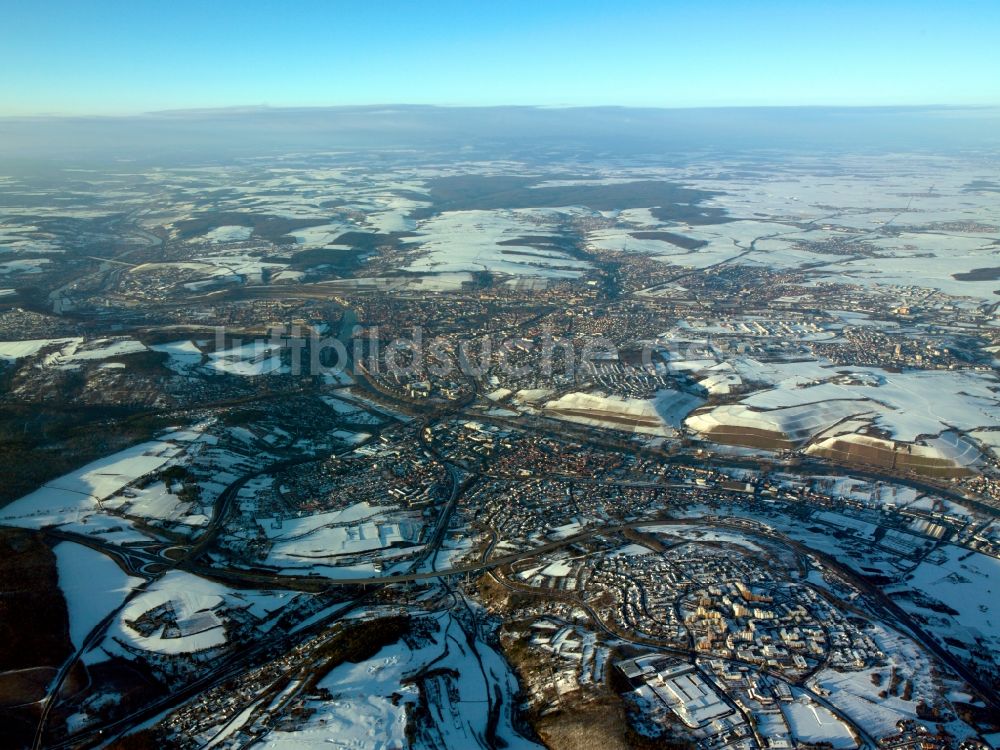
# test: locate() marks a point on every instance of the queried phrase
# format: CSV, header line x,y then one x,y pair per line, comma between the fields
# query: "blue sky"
x,y
111,57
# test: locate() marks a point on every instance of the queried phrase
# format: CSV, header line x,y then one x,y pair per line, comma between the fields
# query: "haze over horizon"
x,y
513,132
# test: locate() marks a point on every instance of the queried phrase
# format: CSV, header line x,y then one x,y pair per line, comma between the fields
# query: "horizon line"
x,y
238,109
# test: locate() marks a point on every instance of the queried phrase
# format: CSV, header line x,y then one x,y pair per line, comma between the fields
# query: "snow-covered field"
x,y
371,699
798,423
811,722
228,234
658,416
875,196
68,352
859,695
18,237
184,356
181,613
320,236
255,358
80,493
155,501
219,268
105,496
323,537
469,241
98,349
964,581
23,266
702,534
11,350
807,400
94,586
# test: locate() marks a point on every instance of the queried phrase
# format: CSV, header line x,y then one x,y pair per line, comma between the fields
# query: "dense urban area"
x,y
386,449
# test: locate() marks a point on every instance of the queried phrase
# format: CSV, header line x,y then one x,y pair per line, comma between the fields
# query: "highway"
x,y
217,675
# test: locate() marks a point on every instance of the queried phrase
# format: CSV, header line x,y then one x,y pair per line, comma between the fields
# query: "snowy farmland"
x,y
228,234
94,587
963,581
71,352
922,411
106,496
75,497
13,350
345,542
658,416
471,241
183,356
255,358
